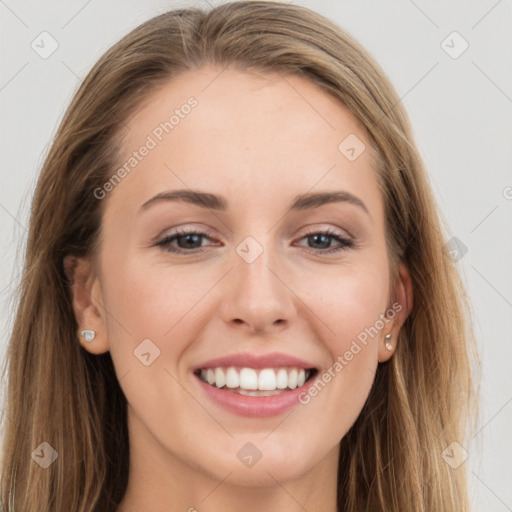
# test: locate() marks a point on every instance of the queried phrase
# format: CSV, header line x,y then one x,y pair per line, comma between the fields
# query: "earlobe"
x,y
87,302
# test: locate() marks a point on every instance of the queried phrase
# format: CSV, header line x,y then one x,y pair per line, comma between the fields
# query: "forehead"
x,y
234,132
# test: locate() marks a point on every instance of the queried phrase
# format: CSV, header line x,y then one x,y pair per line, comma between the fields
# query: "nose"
x,y
257,298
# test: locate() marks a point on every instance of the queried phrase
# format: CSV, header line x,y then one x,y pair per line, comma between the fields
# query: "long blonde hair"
x,y
422,400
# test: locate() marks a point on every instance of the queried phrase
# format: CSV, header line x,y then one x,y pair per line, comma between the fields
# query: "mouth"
x,y
256,382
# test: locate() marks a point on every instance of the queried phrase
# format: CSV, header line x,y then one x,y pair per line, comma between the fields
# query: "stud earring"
x,y
88,335
388,344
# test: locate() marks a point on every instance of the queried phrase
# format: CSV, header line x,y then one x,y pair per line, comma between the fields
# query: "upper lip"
x,y
246,360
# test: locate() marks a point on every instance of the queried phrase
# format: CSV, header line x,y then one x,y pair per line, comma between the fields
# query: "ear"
x,y
87,302
402,305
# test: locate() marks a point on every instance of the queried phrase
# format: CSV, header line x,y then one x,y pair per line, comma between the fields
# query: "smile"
x,y
255,382
255,392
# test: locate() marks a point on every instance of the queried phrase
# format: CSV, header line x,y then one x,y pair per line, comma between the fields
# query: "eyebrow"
x,y
219,203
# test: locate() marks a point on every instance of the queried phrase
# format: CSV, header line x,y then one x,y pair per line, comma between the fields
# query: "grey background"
x,y
460,109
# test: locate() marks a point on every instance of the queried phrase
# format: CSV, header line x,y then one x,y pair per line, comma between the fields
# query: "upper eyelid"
x,y
310,228
209,233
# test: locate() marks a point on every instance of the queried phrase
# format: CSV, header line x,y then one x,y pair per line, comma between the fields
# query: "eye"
x,y
189,241
323,238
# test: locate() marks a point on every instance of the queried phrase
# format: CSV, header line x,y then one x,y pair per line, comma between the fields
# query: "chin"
x,y
265,472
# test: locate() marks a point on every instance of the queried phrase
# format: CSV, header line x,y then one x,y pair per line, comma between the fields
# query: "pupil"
x,y
320,236
190,239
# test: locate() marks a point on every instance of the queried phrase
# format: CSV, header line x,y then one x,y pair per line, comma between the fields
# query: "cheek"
x,y
352,306
357,313
153,301
350,303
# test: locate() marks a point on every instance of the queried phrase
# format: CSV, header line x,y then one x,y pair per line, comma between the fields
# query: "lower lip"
x,y
255,406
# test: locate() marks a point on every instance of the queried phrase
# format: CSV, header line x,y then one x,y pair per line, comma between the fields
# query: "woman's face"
x,y
258,285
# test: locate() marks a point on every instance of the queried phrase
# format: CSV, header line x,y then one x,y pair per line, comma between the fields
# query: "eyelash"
x,y
165,243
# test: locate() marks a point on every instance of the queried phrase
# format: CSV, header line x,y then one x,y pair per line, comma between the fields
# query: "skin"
x,y
259,140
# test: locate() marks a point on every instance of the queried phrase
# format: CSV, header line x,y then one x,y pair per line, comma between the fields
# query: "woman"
x,y
236,292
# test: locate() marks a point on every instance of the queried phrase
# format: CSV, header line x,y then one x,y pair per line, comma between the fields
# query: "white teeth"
x,y
259,393
282,379
248,378
232,379
264,382
292,379
220,380
267,380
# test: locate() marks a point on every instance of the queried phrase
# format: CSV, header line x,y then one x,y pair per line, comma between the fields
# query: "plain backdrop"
x,y
459,102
